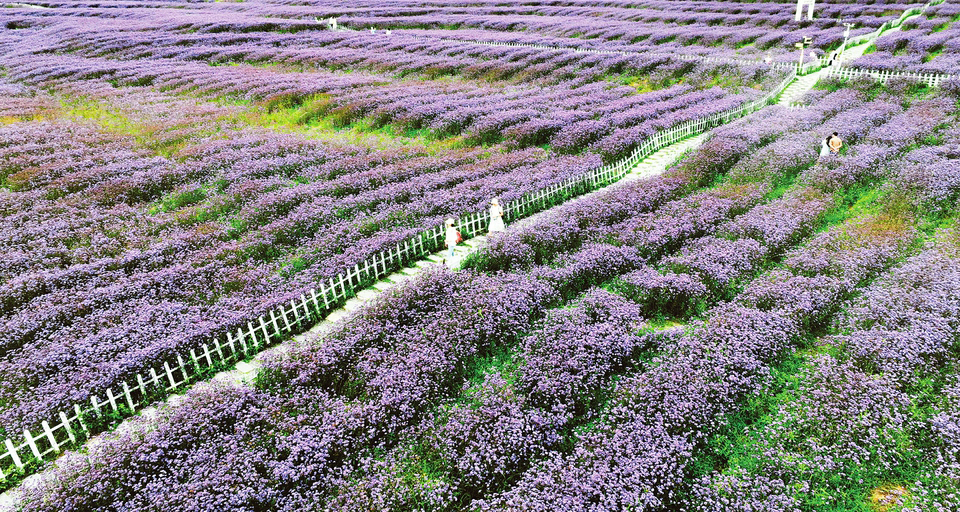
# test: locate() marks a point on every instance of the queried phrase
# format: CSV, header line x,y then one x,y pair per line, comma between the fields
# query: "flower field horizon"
x,y
763,326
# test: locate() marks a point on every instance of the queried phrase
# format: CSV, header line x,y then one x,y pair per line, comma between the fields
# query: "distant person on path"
x,y
835,142
496,216
452,236
832,59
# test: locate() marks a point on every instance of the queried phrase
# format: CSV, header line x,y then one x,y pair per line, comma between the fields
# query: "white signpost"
x,y
800,4
803,44
846,36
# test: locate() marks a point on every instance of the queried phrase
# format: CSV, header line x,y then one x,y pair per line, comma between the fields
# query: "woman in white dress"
x,y
452,237
825,146
496,216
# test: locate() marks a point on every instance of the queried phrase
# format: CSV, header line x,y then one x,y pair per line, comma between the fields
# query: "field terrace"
x,y
171,170
172,184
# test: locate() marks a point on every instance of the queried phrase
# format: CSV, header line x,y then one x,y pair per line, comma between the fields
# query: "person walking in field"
x,y
452,237
835,142
496,216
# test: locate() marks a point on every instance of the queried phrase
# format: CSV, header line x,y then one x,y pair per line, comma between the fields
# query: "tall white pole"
x,y
846,36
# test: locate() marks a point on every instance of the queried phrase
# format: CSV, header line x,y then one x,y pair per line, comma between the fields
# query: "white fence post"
x,y
66,426
13,454
32,443
50,437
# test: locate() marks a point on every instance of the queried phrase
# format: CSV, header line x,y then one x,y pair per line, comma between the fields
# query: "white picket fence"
x,y
300,314
930,79
751,62
806,68
863,38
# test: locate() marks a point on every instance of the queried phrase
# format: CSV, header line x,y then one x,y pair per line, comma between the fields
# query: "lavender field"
x,y
758,328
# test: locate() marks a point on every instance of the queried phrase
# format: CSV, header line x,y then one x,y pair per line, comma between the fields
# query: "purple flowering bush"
x,y
676,294
493,434
718,262
569,357
863,419
728,335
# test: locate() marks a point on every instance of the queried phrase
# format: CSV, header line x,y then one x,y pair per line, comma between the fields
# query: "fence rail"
x,y
802,69
863,38
297,315
930,79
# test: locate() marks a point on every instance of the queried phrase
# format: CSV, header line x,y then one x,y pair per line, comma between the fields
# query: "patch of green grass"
x,y
176,200
317,117
933,55
109,119
930,223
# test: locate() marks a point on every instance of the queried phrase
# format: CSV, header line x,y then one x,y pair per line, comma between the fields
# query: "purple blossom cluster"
x,y
839,422
905,325
84,249
490,437
676,294
937,488
683,397
928,176
568,360
783,222
613,212
850,418
718,262
916,122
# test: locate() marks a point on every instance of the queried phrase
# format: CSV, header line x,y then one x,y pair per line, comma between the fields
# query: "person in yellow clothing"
x,y
835,142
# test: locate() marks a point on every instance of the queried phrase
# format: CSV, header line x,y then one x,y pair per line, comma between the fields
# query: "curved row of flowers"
x,y
432,397
68,428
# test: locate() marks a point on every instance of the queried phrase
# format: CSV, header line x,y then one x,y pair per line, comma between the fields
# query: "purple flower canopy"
x,y
129,247
585,357
594,358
